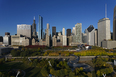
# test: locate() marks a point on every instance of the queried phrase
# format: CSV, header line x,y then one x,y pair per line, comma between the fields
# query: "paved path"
x,y
82,58
24,73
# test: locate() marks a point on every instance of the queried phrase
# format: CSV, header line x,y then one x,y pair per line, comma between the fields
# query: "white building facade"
x,y
6,40
19,40
24,29
64,37
103,30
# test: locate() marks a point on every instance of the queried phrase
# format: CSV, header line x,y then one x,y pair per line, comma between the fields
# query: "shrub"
x,y
53,54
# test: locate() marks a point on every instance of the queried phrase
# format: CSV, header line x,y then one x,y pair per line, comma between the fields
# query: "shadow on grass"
x,y
10,65
30,71
33,72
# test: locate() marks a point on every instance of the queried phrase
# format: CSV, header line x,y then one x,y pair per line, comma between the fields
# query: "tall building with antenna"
x,y
34,28
103,29
40,28
114,24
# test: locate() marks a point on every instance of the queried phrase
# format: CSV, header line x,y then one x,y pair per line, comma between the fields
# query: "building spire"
x,y
34,17
105,10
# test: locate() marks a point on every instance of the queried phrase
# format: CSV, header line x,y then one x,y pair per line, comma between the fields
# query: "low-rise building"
x,y
42,42
109,44
20,40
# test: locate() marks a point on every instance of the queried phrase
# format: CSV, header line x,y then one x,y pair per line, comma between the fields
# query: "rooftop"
x,y
103,19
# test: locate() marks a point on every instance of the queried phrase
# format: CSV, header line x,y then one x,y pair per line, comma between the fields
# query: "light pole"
x,y
49,63
18,73
104,75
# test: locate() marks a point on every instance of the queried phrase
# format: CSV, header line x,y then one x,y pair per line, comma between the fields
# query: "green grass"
x,y
30,71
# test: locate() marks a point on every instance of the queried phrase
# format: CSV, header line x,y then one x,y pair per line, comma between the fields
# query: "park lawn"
x,y
30,71
33,72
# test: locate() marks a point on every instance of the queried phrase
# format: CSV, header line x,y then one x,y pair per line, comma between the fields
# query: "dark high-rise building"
x,y
7,33
1,39
111,35
68,32
56,33
40,28
114,24
53,31
34,28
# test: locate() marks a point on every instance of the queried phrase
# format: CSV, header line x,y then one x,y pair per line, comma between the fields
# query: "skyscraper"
x,y
90,39
64,37
77,38
63,31
73,31
114,24
7,39
68,32
53,31
24,29
1,39
34,28
48,35
103,30
40,28
96,37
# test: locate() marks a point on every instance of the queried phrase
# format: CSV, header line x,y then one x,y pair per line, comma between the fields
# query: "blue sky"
x,y
59,13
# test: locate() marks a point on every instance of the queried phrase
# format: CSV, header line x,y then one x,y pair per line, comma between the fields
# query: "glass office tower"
x,y
40,28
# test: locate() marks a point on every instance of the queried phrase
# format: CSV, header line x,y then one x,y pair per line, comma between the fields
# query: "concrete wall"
x,y
109,44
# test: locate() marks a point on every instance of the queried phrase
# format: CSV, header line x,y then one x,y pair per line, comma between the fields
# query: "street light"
x,y
18,73
104,75
49,63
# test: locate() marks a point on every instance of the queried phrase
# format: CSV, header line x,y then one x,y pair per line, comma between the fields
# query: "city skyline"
x,y
72,12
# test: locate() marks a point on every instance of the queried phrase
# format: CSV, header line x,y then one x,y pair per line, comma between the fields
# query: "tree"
x,y
98,73
44,72
77,71
65,71
52,71
1,74
71,74
61,73
89,74
81,68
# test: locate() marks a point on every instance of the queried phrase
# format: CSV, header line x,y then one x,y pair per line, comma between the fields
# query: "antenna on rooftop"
x,y
105,10
34,17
